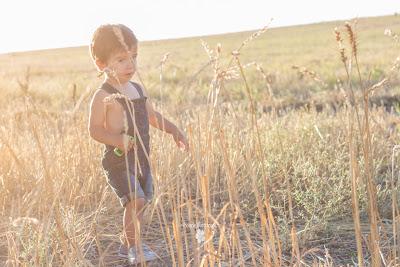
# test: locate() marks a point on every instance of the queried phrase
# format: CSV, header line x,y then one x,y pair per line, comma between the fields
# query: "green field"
x,y
276,185
310,46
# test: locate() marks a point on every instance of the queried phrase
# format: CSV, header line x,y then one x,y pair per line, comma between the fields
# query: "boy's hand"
x,y
180,140
126,143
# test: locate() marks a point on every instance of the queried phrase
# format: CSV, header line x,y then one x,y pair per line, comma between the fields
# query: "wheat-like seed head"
x,y
260,69
219,48
254,35
111,98
165,58
378,85
209,51
388,32
395,37
303,71
352,38
118,33
20,221
339,41
229,74
396,64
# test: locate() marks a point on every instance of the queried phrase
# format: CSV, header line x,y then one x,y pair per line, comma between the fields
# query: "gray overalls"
x,y
135,180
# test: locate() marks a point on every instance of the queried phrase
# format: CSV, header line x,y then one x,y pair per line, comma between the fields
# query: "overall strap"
x,y
109,89
139,89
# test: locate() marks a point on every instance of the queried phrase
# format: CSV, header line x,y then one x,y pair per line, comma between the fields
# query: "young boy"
x,y
120,115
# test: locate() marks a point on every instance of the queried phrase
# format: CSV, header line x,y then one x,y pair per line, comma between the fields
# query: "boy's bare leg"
x,y
133,211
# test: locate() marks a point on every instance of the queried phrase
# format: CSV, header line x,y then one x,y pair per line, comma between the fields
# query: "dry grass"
x,y
257,188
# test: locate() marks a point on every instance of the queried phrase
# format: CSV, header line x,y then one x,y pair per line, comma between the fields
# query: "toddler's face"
x,y
122,65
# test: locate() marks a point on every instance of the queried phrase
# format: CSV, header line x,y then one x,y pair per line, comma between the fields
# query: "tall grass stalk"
x,y
354,167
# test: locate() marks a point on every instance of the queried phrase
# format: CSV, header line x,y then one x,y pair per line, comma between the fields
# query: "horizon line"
x,y
203,35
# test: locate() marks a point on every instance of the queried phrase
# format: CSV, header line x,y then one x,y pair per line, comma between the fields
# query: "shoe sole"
x,y
126,255
145,260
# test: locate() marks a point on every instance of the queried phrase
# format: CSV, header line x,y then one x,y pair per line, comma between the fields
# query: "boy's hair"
x,y
110,38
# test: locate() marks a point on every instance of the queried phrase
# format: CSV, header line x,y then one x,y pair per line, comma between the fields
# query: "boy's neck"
x,y
115,83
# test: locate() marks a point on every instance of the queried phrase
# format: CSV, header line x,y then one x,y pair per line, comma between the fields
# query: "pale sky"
x,y
41,24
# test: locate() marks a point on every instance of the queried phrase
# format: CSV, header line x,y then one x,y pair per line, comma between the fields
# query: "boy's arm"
x,y
96,122
158,121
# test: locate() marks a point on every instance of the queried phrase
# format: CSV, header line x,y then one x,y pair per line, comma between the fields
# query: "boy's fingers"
x,y
183,145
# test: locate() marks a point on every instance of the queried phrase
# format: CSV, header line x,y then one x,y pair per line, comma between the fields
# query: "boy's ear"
x,y
100,65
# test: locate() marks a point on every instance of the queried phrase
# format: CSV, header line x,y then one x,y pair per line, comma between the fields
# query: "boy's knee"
x,y
137,203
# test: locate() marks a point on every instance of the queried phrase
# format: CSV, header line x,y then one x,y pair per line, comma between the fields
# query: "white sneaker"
x,y
134,256
123,250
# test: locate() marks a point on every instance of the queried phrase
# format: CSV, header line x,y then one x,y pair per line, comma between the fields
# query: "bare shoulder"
x,y
100,94
99,97
97,103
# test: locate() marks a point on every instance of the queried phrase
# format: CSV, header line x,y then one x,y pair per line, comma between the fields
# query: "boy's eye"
x,y
124,59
